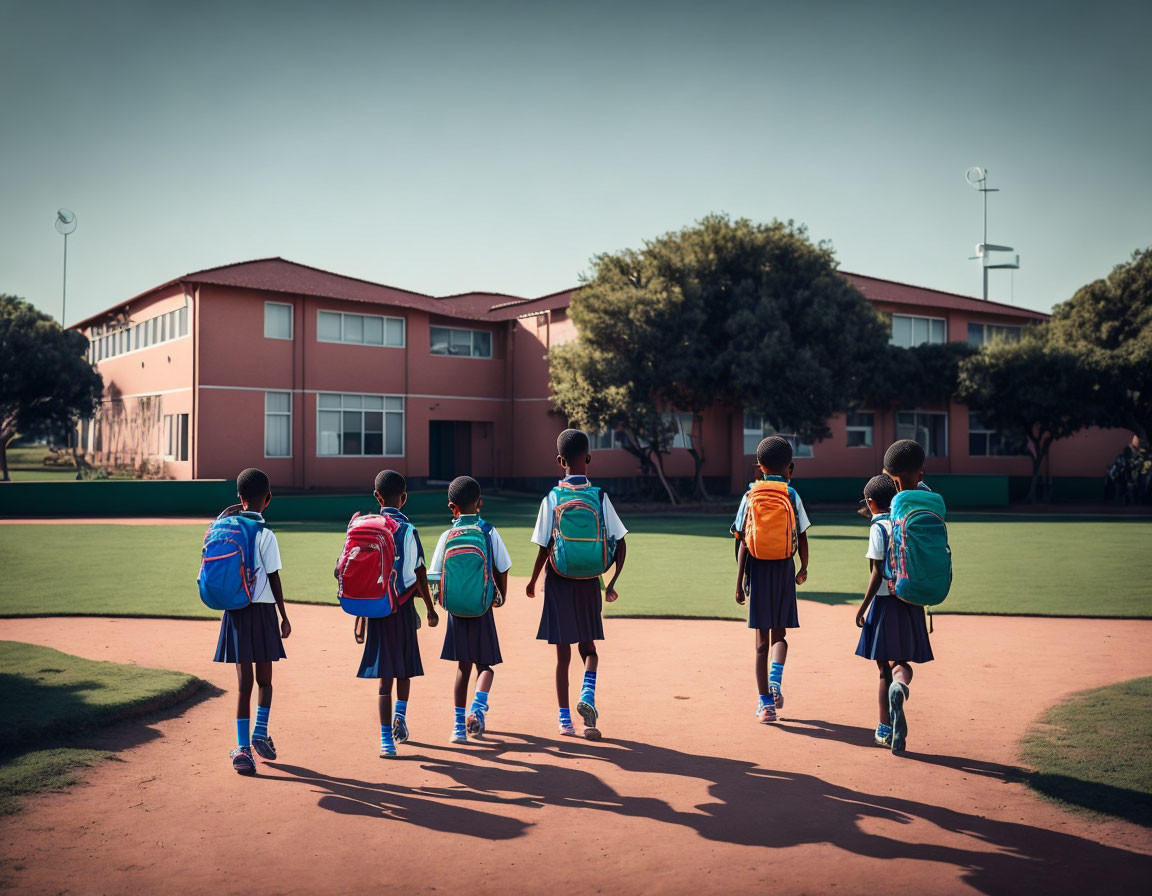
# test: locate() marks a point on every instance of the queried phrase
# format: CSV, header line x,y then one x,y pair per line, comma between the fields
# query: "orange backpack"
x,y
770,522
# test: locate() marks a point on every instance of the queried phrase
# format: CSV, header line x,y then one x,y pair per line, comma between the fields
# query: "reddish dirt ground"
x,y
686,794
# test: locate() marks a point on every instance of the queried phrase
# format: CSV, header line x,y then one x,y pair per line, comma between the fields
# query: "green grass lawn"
x,y
26,464
1094,752
49,700
677,565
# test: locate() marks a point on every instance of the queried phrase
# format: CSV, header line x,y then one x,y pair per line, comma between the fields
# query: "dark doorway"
x,y
449,449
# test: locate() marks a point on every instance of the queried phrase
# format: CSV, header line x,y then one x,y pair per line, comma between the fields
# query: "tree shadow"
x,y
1122,802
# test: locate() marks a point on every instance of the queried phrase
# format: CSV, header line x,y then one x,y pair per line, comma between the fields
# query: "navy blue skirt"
x,y
896,631
772,593
391,649
571,611
472,639
250,635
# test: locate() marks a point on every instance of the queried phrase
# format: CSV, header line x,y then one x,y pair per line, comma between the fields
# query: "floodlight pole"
x,y
983,264
64,284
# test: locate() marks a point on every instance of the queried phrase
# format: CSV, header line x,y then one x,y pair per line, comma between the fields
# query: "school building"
x,y
322,380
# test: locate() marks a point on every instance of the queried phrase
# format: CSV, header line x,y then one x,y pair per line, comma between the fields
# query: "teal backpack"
x,y
919,562
467,578
581,548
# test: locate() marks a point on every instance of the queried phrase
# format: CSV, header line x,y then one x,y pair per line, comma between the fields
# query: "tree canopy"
x,y
46,380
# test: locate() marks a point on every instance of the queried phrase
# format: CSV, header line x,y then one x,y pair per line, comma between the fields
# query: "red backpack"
x,y
366,570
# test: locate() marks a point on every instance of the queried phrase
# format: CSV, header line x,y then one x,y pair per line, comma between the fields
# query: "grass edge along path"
x,y
1093,752
50,701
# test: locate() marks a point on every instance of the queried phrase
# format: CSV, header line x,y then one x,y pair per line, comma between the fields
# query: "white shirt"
x,y
542,534
267,562
802,522
501,559
877,546
413,551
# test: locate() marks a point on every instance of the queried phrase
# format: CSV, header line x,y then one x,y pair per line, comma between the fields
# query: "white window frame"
x,y
268,413
291,320
912,329
800,450
984,327
614,439
385,410
868,430
384,319
915,426
134,336
174,436
472,338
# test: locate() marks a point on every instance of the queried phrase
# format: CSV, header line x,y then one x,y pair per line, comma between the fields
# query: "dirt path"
x,y
686,795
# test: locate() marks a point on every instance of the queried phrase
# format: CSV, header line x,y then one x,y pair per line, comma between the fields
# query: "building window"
x,y
756,429
277,424
987,334
683,436
985,442
606,440
359,425
930,429
360,329
175,435
908,331
460,343
277,321
859,427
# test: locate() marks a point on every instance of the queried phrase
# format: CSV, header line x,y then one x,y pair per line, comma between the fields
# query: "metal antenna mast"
x,y
977,178
65,224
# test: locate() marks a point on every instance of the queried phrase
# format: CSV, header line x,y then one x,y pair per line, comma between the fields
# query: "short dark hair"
x,y
881,489
390,484
903,458
464,491
252,484
774,452
572,443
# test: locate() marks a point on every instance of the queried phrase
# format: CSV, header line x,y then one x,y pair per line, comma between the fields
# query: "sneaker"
x,y
567,729
588,713
591,733
883,736
897,694
242,761
766,714
387,749
459,736
399,729
777,694
475,723
264,746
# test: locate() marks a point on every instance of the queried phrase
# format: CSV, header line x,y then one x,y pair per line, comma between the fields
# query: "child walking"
x,y
771,583
391,648
893,633
572,606
250,637
471,640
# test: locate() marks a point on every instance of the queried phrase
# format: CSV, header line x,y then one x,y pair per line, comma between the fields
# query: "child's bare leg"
x,y
244,692
902,672
384,702
484,679
588,655
403,688
779,651
460,692
264,681
885,684
763,642
563,659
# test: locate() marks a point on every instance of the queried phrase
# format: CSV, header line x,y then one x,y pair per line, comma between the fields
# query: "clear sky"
x,y
447,147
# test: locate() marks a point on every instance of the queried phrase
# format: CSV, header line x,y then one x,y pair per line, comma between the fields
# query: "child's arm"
x,y
741,563
501,581
621,552
541,559
802,576
873,587
426,593
278,593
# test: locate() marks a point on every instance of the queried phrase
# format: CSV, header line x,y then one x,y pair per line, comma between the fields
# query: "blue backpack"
x,y
228,562
919,562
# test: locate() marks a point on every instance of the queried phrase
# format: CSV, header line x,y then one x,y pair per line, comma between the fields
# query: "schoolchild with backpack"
x,y
771,526
918,568
893,632
471,565
391,648
580,537
240,574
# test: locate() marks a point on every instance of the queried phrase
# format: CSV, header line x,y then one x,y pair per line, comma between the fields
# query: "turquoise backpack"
x,y
467,578
581,548
919,562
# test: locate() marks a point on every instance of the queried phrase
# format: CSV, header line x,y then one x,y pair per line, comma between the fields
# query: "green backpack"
x,y
467,580
581,548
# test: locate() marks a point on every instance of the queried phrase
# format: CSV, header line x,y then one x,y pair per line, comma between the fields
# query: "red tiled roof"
x,y
891,292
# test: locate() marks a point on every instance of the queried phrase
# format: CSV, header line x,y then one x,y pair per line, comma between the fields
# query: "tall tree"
x,y
46,380
750,316
1035,390
1113,316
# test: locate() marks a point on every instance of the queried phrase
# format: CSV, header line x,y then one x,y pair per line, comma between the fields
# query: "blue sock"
x,y
460,717
588,689
565,716
775,672
386,736
401,708
261,721
480,701
243,736
766,700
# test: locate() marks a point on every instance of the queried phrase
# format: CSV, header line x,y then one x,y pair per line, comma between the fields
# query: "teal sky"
x,y
448,147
